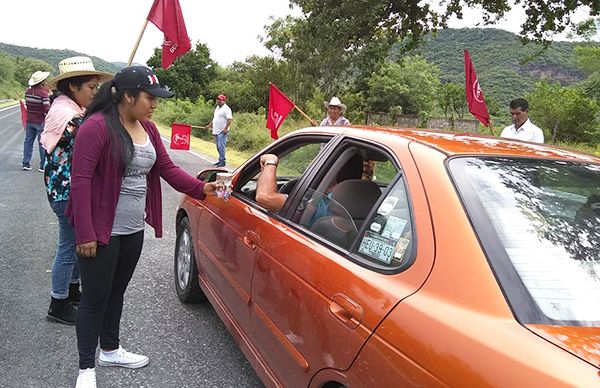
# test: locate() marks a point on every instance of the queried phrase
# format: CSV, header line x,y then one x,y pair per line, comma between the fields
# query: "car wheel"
x,y
186,272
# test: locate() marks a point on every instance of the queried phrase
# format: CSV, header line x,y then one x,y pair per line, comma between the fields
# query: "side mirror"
x,y
209,175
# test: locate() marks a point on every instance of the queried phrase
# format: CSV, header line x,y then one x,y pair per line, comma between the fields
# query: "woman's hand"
x,y
87,249
210,188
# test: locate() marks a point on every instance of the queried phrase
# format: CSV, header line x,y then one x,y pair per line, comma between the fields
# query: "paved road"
x,y
188,345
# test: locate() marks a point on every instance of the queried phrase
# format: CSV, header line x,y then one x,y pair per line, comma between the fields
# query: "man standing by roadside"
x,y
38,104
221,124
522,128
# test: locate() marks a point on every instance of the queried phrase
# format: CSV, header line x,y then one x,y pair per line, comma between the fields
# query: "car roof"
x,y
460,143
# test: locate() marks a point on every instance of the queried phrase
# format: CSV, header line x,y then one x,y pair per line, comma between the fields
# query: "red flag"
x,y
23,113
167,16
475,98
180,136
279,107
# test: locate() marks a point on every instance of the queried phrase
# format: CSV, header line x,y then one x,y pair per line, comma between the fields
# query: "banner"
x,y
279,107
180,136
475,98
167,16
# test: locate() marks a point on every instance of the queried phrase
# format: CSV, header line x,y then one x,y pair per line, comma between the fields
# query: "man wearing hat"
x,y
38,104
335,113
220,125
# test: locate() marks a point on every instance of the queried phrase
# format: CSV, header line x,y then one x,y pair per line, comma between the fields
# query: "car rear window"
x,y
545,218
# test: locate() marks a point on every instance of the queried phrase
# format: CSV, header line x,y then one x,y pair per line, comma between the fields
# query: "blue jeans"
x,y
31,132
221,140
65,268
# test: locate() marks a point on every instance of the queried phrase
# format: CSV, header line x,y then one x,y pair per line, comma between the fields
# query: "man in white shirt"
x,y
221,124
522,128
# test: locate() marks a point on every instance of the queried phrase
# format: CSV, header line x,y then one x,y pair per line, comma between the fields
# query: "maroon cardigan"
x,y
96,182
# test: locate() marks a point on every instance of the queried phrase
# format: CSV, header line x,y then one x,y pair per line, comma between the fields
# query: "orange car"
x,y
439,260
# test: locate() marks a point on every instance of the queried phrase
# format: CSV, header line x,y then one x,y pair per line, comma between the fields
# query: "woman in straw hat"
x,y
335,113
117,165
77,83
38,104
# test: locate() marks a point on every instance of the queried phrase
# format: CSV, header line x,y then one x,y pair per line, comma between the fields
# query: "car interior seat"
x,y
358,196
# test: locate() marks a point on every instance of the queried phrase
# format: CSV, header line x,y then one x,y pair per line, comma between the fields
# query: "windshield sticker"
x,y
388,205
394,227
401,248
377,247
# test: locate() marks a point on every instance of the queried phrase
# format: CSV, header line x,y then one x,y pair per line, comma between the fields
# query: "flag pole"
x,y
137,43
302,113
492,128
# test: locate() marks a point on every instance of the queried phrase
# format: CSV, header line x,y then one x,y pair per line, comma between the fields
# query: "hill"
x,y
53,56
505,67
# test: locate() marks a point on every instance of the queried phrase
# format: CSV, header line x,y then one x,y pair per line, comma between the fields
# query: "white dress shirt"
x,y
528,132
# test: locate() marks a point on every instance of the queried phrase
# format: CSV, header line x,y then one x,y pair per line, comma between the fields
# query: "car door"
x,y
314,302
229,230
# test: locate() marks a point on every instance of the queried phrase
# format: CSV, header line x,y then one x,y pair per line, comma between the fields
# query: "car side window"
x,y
388,237
293,162
346,190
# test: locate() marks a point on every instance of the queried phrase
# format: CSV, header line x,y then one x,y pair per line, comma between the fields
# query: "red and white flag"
x,y
475,98
167,16
279,107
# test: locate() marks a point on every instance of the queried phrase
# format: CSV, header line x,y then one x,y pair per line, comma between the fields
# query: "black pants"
x,y
104,279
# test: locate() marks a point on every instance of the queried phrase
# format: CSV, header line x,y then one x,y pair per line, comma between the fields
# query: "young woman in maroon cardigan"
x,y
118,161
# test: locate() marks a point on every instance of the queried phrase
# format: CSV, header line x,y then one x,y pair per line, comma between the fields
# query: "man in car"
x,y
266,190
267,194
522,128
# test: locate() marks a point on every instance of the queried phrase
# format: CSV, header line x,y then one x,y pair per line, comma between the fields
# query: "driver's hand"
x,y
268,158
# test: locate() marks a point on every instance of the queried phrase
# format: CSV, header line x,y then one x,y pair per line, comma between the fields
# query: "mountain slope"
x,y
53,56
505,67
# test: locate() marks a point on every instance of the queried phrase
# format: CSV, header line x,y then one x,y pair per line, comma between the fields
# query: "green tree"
x,y
412,84
452,101
189,75
565,112
25,67
359,21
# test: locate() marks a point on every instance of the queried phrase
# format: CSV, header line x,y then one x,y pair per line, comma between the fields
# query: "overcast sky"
x,y
109,28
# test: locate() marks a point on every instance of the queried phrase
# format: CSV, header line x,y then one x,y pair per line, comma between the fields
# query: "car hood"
x,y
584,342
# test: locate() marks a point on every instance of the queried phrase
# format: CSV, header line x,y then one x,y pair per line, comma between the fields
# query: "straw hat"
x,y
335,102
38,77
75,67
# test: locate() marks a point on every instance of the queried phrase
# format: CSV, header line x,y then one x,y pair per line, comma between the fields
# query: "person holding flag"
x,y
335,114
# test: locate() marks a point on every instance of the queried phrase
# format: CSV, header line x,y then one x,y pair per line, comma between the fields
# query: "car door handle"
x,y
346,310
251,240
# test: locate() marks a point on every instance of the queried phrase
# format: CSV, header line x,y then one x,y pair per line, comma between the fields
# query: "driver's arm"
x,y
266,191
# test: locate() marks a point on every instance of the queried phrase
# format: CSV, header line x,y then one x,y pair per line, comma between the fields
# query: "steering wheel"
x,y
288,186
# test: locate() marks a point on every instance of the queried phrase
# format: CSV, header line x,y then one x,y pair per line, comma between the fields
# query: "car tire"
x,y
186,271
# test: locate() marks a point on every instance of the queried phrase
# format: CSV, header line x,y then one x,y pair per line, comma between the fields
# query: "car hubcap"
x,y
184,260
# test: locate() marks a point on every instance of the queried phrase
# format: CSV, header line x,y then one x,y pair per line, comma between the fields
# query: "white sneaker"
x,y
86,378
122,358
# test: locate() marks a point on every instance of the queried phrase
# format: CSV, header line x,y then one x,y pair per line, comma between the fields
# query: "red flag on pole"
x,y
23,113
167,16
475,98
279,107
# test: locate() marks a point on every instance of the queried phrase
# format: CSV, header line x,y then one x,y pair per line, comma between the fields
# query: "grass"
x,y
8,103
234,158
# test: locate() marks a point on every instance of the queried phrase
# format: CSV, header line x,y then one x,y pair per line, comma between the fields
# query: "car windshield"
x,y
546,218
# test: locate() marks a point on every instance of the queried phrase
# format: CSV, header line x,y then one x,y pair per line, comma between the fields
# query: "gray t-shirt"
x,y
131,207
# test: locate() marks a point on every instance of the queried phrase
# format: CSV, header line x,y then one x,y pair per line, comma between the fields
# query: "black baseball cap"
x,y
140,78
